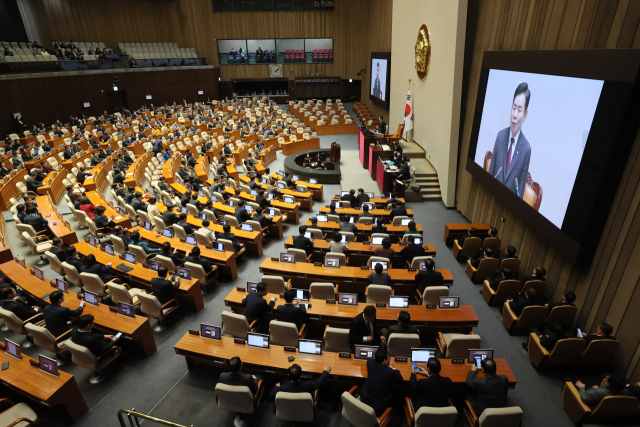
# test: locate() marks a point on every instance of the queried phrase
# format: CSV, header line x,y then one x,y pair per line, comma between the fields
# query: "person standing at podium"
x,y
382,126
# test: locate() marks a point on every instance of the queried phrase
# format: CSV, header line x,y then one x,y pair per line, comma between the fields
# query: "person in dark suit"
x,y
471,233
377,92
365,213
287,179
399,210
362,197
255,306
241,213
73,259
403,326
165,251
261,200
537,274
294,385
364,329
33,183
377,390
97,343
495,283
131,194
58,318
603,332
490,391
168,217
520,303
94,267
567,299
412,250
57,250
493,232
347,226
82,175
302,242
509,253
228,235
162,288
184,224
120,232
512,152
194,257
35,220
549,337
262,219
235,376
428,277
157,147
475,262
22,212
291,311
351,198
433,391
378,226
379,277
137,204
12,303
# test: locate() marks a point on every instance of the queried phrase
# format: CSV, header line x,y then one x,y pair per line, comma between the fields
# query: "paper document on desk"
x,y
385,148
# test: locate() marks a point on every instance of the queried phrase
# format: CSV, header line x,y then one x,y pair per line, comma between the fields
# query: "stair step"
x,y
427,179
426,174
429,187
429,191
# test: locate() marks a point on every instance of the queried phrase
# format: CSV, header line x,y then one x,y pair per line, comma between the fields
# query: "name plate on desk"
x,y
431,306
412,269
291,349
44,297
317,264
238,341
275,258
459,361
239,289
345,355
401,359
364,267
381,304
402,244
194,332
113,309
331,301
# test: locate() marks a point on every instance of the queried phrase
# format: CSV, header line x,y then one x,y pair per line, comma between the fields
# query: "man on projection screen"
x,y
512,152
376,86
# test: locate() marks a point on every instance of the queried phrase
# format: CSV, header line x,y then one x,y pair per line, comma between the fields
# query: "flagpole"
x,y
403,132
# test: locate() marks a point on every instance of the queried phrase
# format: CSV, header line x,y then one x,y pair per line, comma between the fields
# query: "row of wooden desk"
x,y
315,189
395,232
305,199
274,361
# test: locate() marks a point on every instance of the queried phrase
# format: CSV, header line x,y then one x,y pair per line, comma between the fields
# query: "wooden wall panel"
x,y
609,289
357,26
50,98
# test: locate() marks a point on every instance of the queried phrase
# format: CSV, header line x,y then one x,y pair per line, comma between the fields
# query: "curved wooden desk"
x,y
315,189
290,209
338,129
290,147
62,229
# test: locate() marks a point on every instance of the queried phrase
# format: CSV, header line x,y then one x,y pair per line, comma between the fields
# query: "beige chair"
x,y
26,228
54,263
611,409
165,261
360,414
415,262
531,317
565,352
98,233
539,285
14,323
118,245
377,294
325,291
228,246
286,333
233,222
37,248
512,263
236,325
486,268
83,357
150,306
336,340
276,284
432,294
383,235
506,289
141,255
401,344
510,416
470,247
492,243
378,258
16,415
197,272
341,257
238,399
564,314
300,254
598,352
297,407
72,274
430,417
456,346
179,232
397,220
123,293
93,283
46,341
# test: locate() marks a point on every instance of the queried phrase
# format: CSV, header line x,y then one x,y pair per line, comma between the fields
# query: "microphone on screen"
x,y
516,185
499,170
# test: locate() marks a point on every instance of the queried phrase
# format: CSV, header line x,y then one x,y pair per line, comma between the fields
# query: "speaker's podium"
x,y
388,179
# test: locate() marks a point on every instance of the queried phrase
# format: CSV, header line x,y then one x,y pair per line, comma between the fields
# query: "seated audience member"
x,y
228,235
612,385
182,222
136,240
137,204
345,225
351,198
11,302
241,213
261,200
255,306
520,303
538,274
399,210
379,277
471,233
235,376
510,253
490,391
92,266
362,197
302,242
58,318
73,258
57,250
87,207
377,390
428,277
403,326
603,332
567,299
549,337
152,209
412,228
35,220
336,245
121,233
101,220
494,283
194,257
412,250
262,219
364,329
365,213
292,310
378,226
332,209
22,212
162,288
168,217
294,385
475,262
97,343
165,251
385,250
314,225
493,232
433,391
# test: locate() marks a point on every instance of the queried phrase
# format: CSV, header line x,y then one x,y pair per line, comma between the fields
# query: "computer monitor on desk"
x,y
210,331
364,352
422,355
476,356
398,302
310,347
12,349
257,340
347,299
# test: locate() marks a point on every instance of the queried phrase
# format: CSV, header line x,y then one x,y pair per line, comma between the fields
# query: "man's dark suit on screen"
x,y
519,166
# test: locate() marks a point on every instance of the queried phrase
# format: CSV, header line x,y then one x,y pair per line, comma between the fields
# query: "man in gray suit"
x,y
612,385
512,152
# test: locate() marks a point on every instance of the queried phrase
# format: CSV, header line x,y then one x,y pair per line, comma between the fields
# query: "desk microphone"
x,y
516,185
499,170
